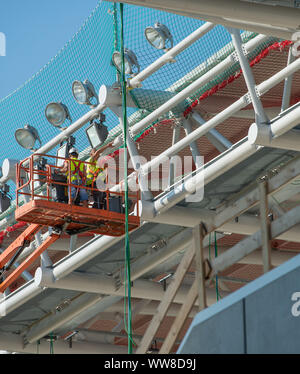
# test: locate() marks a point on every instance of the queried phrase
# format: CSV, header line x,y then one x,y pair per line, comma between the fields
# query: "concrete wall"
x,y
259,318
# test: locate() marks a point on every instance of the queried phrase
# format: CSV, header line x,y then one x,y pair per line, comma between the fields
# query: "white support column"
x,y
287,89
45,259
265,225
172,170
248,76
73,242
193,145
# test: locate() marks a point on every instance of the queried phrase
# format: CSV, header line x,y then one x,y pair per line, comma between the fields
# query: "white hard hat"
x,y
73,150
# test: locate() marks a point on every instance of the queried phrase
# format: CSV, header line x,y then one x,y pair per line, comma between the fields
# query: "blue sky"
x,y
35,31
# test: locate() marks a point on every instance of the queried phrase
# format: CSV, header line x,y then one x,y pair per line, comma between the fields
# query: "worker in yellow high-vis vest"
x,y
96,175
77,177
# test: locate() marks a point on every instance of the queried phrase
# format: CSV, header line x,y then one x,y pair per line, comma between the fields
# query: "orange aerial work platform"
x,y
72,218
35,183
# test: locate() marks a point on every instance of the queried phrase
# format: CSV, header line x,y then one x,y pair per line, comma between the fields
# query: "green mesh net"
x,y
88,56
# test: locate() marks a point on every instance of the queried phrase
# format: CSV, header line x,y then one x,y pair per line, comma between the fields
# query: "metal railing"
x,y
30,176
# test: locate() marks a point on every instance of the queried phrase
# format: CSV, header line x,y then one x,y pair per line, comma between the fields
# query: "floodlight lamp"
x,y
83,92
57,113
132,66
97,133
159,36
27,137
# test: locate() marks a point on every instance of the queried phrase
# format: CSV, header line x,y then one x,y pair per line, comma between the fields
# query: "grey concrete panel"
x,y
219,333
257,318
270,325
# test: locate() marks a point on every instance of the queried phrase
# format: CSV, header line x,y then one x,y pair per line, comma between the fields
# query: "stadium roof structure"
x,y
227,95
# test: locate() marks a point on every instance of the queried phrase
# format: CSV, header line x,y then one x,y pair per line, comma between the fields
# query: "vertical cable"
x,y
115,39
51,344
216,255
127,246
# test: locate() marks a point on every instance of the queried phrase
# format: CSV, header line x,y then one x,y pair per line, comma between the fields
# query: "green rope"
x,y
216,255
127,246
115,39
38,346
51,344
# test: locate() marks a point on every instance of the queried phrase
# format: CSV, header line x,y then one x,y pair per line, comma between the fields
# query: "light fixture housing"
x,y
27,137
97,133
56,113
63,150
5,200
83,92
159,36
130,60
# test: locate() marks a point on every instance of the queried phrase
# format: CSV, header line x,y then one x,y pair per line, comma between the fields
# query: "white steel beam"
x,y
54,321
239,205
226,113
198,159
169,55
81,256
109,337
253,242
78,281
151,307
224,162
277,21
267,134
289,141
194,86
14,343
271,112
68,131
68,264
217,139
